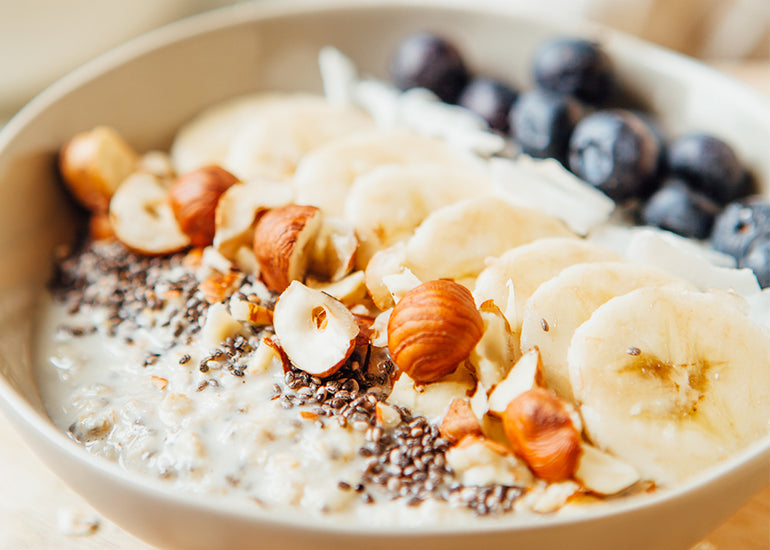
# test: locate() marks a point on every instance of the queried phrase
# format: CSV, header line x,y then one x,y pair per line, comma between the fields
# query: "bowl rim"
x,y
21,410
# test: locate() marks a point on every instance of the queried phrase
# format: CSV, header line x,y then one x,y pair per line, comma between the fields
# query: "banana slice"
x,y
206,138
526,267
386,204
271,146
671,381
324,176
559,306
455,241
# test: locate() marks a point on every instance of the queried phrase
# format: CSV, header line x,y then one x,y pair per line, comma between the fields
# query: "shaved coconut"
x,y
350,290
398,284
656,248
602,473
338,74
546,185
759,307
380,100
525,375
218,327
478,463
333,251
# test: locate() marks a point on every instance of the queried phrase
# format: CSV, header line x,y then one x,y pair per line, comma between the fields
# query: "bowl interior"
x,y
149,87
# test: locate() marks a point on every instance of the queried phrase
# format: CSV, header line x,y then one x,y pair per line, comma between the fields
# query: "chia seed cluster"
x,y
406,461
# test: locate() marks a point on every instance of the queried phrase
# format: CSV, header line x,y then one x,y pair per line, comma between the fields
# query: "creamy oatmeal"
x,y
305,306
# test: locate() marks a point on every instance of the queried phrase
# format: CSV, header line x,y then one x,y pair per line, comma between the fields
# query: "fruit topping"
x,y
490,99
739,224
616,152
757,258
710,165
542,122
429,61
574,66
678,208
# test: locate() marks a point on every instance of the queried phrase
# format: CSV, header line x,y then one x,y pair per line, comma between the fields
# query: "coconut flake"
x,y
547,186
338,74
684,259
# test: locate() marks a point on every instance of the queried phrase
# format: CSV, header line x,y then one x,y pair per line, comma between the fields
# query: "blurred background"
x,y
40,40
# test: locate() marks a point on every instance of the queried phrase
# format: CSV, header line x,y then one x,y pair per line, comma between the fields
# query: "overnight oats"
x,y
369,301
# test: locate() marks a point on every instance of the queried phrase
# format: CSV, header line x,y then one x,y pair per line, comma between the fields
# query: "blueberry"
x,y
738,225
542,122
574,66
678,208
616,152
490,99
757,259
428,61
709,164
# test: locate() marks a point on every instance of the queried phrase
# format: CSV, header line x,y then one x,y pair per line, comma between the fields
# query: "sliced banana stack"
x,y
671,381
455,242
386,204
513,277
323,177
559,306
206,138
271,146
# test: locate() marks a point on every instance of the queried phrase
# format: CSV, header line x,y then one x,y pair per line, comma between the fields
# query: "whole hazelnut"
x,y
194,198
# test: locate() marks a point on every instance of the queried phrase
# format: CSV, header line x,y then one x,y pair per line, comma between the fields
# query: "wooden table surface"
x,y
35,504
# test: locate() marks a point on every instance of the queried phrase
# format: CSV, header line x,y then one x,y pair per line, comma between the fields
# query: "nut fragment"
x,y
142,218
433,329
93,165
99,227
526,374
460,421
317,332
540,430
281,243
221,286
194,197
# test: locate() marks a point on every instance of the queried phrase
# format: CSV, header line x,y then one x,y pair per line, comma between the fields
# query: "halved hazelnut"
x,y
459,421
94,164
194,197
317,332
142,217
540,430
433,329
282,241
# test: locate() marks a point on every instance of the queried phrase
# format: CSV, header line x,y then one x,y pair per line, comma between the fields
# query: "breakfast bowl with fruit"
x,y
387,275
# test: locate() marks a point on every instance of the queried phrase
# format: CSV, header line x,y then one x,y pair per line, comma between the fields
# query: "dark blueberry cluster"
x,y
694,185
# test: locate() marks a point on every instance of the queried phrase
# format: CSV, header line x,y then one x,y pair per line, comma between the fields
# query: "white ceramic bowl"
x,y
147,88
